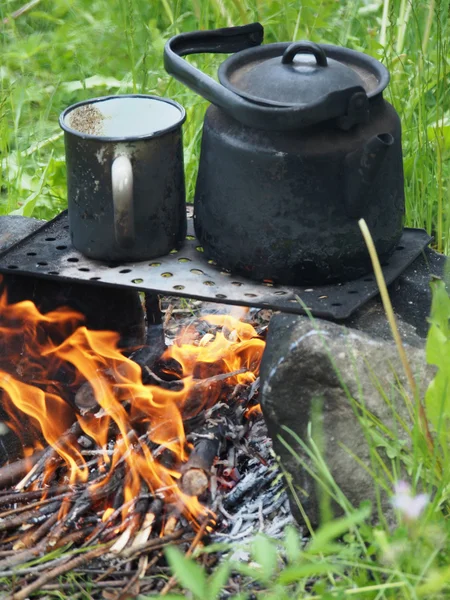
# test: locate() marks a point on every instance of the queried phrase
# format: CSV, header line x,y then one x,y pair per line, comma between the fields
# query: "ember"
x,y
134,465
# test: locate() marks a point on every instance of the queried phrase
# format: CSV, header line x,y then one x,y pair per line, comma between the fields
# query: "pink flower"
x,y
409,506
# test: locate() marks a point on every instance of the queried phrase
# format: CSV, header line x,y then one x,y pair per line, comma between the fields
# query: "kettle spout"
x,y
361,168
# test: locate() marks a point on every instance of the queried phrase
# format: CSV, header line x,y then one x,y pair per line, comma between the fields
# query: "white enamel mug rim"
x,y
127,138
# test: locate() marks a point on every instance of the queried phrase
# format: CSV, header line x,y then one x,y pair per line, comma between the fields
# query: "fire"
x,y
46,358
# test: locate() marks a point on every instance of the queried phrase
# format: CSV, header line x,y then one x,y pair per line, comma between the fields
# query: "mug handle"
x,y
122,195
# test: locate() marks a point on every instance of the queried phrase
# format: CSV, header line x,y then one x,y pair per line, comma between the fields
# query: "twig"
x,y
24,592
12,472
155,544
31,538
21,11
19,497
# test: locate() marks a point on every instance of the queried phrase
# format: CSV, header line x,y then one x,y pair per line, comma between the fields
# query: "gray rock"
x,y
14,228
299,383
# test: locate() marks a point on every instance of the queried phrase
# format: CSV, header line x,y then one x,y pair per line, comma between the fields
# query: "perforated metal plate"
x,y
48,253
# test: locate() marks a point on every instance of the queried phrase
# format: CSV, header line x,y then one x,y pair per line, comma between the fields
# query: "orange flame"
x,y
49,356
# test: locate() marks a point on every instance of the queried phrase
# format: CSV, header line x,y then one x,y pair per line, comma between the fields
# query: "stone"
x,y
14,228
300,384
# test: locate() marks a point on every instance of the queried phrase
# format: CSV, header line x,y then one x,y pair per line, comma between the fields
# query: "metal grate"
x,y
48,253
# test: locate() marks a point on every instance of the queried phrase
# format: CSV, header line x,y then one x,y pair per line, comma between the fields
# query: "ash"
x,y
256,501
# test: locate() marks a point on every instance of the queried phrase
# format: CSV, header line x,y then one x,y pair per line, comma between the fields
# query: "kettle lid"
x,y
298,74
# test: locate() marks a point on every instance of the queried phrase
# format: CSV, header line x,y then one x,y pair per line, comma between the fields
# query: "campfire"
x,y
115,455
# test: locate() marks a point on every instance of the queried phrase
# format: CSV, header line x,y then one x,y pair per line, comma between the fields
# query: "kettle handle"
x,y
234,39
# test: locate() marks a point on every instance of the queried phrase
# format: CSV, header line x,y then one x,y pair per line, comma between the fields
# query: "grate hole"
x,y
209,283
31,254
155,264
280,293
309,290
352,292
199,248
50,239
61,247
212,262
190,237
225,273
53,273
336,304
178,287
251,295
184,260
94,278
73,259
84,269
42,264
400,248
137,280
237,283
125,271
221,296
173,251
166,274
13,267
197,272
268,283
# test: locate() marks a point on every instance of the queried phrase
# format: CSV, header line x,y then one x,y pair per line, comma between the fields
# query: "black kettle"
x,y
297,146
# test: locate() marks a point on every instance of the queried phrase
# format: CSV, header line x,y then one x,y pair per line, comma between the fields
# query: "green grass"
x,y
63,51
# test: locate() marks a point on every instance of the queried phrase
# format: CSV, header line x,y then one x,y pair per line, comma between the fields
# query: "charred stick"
x,y
13,472
99,530
21,519
74,537
147,525
30,539
155,343
196,471
154,544
19,497
51,452
15,511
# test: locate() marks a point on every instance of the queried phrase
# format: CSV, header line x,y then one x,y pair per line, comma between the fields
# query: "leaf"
x,y
265,554
252,572
27,208
337,528
292,544
188,573
298,572
217,581
437,399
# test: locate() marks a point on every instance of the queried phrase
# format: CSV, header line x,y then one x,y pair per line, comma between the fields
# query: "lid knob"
x,y
305,48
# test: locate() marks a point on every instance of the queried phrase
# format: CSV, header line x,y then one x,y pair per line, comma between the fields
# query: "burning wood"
x,y
195,472
127,471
